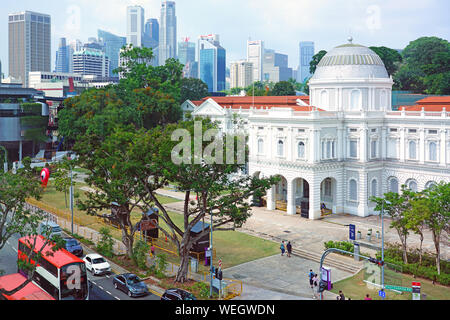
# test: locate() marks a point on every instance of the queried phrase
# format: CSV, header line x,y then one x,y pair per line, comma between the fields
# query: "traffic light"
x,y
323,285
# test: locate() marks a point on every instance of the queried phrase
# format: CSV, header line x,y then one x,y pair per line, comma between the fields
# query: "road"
x,y
102,286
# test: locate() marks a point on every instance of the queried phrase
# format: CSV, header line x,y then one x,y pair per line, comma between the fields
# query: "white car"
x,y
96,264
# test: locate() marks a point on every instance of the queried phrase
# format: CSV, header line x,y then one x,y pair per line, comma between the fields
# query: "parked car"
x,y
96,264
130,284
73,246
50,229
177,294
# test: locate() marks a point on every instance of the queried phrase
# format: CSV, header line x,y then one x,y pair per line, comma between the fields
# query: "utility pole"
x,y
382,248
211,257
71,189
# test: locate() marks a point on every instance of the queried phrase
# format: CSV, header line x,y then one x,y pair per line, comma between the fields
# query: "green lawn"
x,y
232,247
356,289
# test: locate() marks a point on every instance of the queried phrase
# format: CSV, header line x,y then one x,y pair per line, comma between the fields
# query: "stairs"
x,y
332,260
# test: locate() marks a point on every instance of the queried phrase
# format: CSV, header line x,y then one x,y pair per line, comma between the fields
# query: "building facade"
x,y
212,62
91,62
112,45
275,66
29,44
186,56
241,74
306,53
345,143
167,32
255,55
62,63
135,25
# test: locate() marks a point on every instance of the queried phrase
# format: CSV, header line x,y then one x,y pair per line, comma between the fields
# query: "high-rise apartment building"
x,y
212,62
91,62
241,74
186,56
306,50
135,25
255,55
112,45
276,66
167,32
62,63
29,44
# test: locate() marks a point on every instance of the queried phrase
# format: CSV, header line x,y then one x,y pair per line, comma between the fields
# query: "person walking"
x,y
311,276
315,287
341,296
367,297
282,248
152,249
289,249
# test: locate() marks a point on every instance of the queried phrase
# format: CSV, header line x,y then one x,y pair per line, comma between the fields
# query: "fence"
x,y
232,287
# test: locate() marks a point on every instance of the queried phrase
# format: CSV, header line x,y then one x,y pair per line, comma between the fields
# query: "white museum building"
x,y
342,144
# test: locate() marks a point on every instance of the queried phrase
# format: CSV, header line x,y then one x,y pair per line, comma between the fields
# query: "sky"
x,y
280,24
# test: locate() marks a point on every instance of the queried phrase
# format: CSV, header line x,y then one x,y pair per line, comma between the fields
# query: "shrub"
x,y
105,245
140,254
202,288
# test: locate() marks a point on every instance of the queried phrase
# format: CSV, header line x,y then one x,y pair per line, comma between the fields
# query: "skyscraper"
x,y
167,32
241,74
186,56
62,57
276,66
255,55
135,25
74,46
151,39
29,44
91,62
212,62
112,45
306,50
152,29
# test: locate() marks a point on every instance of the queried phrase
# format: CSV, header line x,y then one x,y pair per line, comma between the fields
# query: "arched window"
x,y
280,148
432,151
301,149
355,100
383,99
393,185
260,146
412,185
324,98
374,187
353,190
430,184
412,150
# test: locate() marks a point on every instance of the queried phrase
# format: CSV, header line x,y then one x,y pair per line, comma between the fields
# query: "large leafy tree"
x,y
193,89
315,60
391,58
283,88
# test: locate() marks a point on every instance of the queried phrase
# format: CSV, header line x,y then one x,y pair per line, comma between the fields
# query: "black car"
x,y
73,246
130,284
177,294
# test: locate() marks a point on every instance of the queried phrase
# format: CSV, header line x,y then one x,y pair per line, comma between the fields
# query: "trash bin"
x,y
194,265
356,251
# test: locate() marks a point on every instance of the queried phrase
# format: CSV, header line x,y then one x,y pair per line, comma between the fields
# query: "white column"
x,y
362,195
383,143
363,144
421,145
271,198
291,209
314,199
442,152
312,146
340,143
402,144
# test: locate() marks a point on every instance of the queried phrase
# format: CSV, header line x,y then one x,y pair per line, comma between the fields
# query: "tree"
x,y
409,78
34,124
315,60
416,216
61,178
193,89
283,88
437,220
16,218
391,58
395,205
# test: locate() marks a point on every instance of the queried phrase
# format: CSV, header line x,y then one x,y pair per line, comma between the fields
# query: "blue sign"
x,y
352,232
382,293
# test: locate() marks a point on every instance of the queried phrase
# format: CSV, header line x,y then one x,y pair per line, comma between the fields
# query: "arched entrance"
x,y
328,196
281,194
301,197
258,200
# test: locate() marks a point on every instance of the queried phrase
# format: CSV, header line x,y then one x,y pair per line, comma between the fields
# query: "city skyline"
x,y
280,25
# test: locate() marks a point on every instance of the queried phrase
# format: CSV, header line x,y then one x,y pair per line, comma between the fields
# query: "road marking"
x,y
116,298
108,292
101,287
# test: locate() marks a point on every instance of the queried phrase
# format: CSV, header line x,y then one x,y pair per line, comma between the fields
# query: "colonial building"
x,y
343,144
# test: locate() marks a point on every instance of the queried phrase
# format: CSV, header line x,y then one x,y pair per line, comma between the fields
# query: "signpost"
x,y
352,230
382,294
398,288
416,290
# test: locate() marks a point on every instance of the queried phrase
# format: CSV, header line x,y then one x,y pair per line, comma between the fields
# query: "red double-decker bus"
x,y
29,292
61,274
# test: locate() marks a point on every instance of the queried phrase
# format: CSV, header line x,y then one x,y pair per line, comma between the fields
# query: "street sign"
x,y
398,288
382,293
220,263
352,230
416,290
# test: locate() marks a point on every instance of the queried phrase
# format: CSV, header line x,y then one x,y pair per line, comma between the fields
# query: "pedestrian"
x,y
311,276
315,288
341,296
282,248
367,297
289,249
152,250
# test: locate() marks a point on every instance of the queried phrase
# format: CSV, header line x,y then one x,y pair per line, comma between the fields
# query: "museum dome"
x,y
350,61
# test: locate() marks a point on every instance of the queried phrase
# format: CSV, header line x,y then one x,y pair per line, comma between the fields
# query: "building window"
x,y
355,100
432,132
373,149
353,190
374,187
327,188
353,148
412,185
432,152
324,98
392,148
301,149
430,184
412,150
393,185
333,147
260,146
280,148
328,149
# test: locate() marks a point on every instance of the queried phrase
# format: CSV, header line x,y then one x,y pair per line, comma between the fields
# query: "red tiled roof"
x,y
246,102
436,100
435,108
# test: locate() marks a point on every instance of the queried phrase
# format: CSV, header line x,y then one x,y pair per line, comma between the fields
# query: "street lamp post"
x,y
71,190
382,247
211,257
